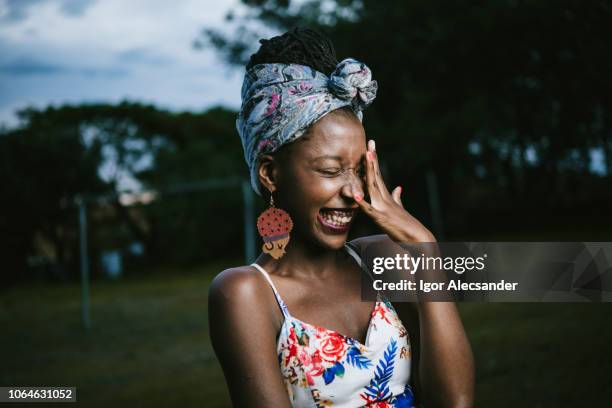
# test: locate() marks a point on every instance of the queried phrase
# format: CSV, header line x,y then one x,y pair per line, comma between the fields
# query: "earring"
x,y
274,226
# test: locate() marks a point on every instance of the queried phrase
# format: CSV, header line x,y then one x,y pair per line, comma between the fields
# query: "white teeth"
x,y
336,218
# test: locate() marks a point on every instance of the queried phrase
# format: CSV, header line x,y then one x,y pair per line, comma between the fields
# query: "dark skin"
x,y
329,167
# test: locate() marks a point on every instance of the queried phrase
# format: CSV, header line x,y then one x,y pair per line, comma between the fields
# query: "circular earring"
x,y
274,226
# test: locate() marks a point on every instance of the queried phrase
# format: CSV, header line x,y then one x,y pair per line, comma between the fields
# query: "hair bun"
x,y
352,80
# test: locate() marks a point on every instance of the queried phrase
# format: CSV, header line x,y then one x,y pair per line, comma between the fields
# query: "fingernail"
x,y
358,197
373,145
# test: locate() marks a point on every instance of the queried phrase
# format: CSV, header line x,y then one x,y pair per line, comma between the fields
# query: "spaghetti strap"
x,y
363,266
357,258
282,305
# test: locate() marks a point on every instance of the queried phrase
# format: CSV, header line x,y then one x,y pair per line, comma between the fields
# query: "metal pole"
x,y
434,204
249,222
84,263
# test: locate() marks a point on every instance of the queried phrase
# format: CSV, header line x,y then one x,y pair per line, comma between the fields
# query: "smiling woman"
x,y
291,329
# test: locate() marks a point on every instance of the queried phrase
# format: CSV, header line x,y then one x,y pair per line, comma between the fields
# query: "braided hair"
x,y
302,46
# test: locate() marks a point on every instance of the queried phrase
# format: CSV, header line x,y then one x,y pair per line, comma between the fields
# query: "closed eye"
x,y
331,171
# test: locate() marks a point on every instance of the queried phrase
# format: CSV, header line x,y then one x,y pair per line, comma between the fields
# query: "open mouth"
x,y
336,219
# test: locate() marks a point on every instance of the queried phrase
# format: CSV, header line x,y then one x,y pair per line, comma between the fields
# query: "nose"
x,y
354,184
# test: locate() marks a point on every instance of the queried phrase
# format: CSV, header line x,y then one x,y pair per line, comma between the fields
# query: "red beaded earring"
x,y
274,226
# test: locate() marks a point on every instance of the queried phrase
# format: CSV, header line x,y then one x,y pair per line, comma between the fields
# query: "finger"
x,y
397,192
364,205
373,188
378,180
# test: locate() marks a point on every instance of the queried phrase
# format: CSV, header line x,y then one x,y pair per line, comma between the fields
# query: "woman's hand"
x,y
386,208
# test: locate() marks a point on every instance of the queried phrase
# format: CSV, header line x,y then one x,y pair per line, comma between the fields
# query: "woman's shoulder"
x,y
240,292
241,282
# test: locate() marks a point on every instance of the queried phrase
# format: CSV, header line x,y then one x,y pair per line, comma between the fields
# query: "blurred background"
x,y
124,191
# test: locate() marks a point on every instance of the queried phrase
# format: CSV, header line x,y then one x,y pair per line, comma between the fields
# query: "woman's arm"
x,y
243,334
446,364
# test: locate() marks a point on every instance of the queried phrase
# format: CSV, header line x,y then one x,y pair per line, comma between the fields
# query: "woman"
x,y
299,305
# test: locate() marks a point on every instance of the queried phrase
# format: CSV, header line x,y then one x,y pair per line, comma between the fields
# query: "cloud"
x,y
141,55
75,8
18,10
29,66
64,51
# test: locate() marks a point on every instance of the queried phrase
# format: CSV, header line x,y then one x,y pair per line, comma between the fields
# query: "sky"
x,y
74,51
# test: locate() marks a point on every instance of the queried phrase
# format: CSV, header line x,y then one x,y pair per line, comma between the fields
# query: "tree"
x,y
58,153
505,100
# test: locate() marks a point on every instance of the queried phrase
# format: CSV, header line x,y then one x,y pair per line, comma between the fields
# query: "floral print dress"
x,y
323,368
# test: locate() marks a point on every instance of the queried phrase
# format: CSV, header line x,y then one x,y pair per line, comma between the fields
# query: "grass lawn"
x,y
149,346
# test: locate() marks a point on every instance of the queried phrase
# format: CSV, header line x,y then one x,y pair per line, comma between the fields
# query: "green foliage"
x,y
59,153
43,165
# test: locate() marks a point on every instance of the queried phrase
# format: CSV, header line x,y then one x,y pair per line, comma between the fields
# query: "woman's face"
x,y
318,176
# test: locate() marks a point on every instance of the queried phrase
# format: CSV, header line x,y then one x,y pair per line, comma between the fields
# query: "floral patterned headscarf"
x,y
280,101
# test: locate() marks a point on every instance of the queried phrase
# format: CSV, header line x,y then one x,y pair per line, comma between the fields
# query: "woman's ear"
x,y
267,171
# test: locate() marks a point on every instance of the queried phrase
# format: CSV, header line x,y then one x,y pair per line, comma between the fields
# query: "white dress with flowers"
x,y
323,368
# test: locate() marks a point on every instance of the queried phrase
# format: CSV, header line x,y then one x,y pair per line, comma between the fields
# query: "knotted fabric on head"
x,y
280,101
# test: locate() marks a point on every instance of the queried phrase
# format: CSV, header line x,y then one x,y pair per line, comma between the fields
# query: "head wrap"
x,y
280,101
